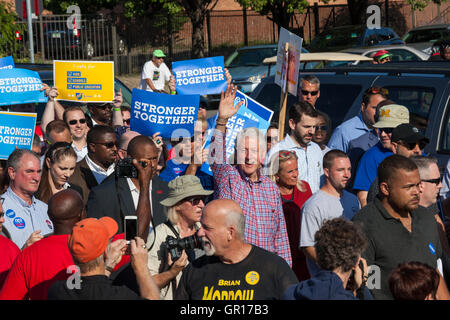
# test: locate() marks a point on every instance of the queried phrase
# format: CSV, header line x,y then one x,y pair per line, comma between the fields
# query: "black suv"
x,y
423,87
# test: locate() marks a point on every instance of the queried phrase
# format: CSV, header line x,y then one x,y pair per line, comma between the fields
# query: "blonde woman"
x,y
283,171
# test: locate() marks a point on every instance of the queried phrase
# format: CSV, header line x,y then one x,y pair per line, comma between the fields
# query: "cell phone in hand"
x,y
131,228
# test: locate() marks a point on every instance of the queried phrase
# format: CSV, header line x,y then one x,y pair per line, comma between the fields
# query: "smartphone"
x,y
131,228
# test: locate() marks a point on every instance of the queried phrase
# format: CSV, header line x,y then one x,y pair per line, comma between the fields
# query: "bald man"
x,y
232,268
49,259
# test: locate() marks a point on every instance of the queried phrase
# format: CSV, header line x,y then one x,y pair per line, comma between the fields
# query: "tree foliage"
x,y
421,4
8,27
278,11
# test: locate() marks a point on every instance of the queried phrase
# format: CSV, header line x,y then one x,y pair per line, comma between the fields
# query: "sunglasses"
x,y
375,90
412,145
306,92
435,181
286,153
195,201
322,128
75,121
386,130
104,106
108,145
2,214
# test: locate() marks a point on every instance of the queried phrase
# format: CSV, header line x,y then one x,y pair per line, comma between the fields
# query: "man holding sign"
x,y
257,195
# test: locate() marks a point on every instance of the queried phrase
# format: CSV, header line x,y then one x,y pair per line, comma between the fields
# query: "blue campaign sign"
x,y
19,86
6,63
173,116
16,130
250,114
200,76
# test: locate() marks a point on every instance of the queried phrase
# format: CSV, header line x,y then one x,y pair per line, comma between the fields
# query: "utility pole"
x,y
30,30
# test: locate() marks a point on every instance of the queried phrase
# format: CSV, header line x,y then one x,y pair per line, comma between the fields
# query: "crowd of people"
x,y
349,213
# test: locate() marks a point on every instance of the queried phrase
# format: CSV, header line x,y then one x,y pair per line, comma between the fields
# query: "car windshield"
x,y
250,57
424,35
338,37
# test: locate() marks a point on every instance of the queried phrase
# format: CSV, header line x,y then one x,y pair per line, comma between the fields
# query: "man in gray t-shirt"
x,y
329,202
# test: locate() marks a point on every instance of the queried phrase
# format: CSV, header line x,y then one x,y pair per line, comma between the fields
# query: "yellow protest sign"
x,y
84,81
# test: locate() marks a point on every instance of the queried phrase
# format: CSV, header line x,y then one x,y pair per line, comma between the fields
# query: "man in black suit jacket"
x,y
114,196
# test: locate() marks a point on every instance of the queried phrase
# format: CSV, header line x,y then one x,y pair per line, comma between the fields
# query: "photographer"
x,y
339,245
119,196
185,205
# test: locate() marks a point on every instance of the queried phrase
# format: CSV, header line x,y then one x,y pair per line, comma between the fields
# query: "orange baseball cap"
x,y
90,237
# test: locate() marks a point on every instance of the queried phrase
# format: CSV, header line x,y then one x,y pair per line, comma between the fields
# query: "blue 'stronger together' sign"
x,y
7,63
19,86
16,130
172,115
250,114
200,76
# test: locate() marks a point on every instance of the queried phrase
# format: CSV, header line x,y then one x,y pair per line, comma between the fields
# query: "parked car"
x,y
423,38
317,60
92,38
246,65
424,88
399,53
340,38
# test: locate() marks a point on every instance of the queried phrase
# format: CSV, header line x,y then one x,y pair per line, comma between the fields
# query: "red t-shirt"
x,y
36,268
8,253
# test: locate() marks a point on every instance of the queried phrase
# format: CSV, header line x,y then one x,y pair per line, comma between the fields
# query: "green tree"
x,y
278,11
196,11
421,4
8,27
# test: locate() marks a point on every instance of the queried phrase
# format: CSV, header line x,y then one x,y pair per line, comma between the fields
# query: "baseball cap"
x,y
392,115
408,133
379,55
90,237
184,187
159,54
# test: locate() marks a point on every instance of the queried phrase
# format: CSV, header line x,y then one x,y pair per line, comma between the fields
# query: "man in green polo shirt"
x,y
397,229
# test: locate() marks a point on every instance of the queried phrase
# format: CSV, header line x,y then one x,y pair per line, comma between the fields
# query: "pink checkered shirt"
x,y
260,201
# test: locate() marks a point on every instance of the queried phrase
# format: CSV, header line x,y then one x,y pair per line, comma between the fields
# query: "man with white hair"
x,y
232,268
258,196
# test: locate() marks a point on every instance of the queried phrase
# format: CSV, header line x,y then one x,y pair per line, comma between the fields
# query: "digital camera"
x,y
176,246
126,169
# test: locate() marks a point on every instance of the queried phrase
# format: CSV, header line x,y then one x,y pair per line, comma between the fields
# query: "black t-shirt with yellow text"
x,y
262,275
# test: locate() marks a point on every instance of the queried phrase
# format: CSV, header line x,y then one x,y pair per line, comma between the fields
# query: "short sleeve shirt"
x,y
22,219
320,207
261,275
390,243
158,75
368,165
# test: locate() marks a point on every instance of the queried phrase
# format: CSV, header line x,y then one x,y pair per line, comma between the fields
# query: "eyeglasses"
x,y
306,92
195,201
435,181
412,145
75,121
108,145
375,90
322,128
386,130
104,106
